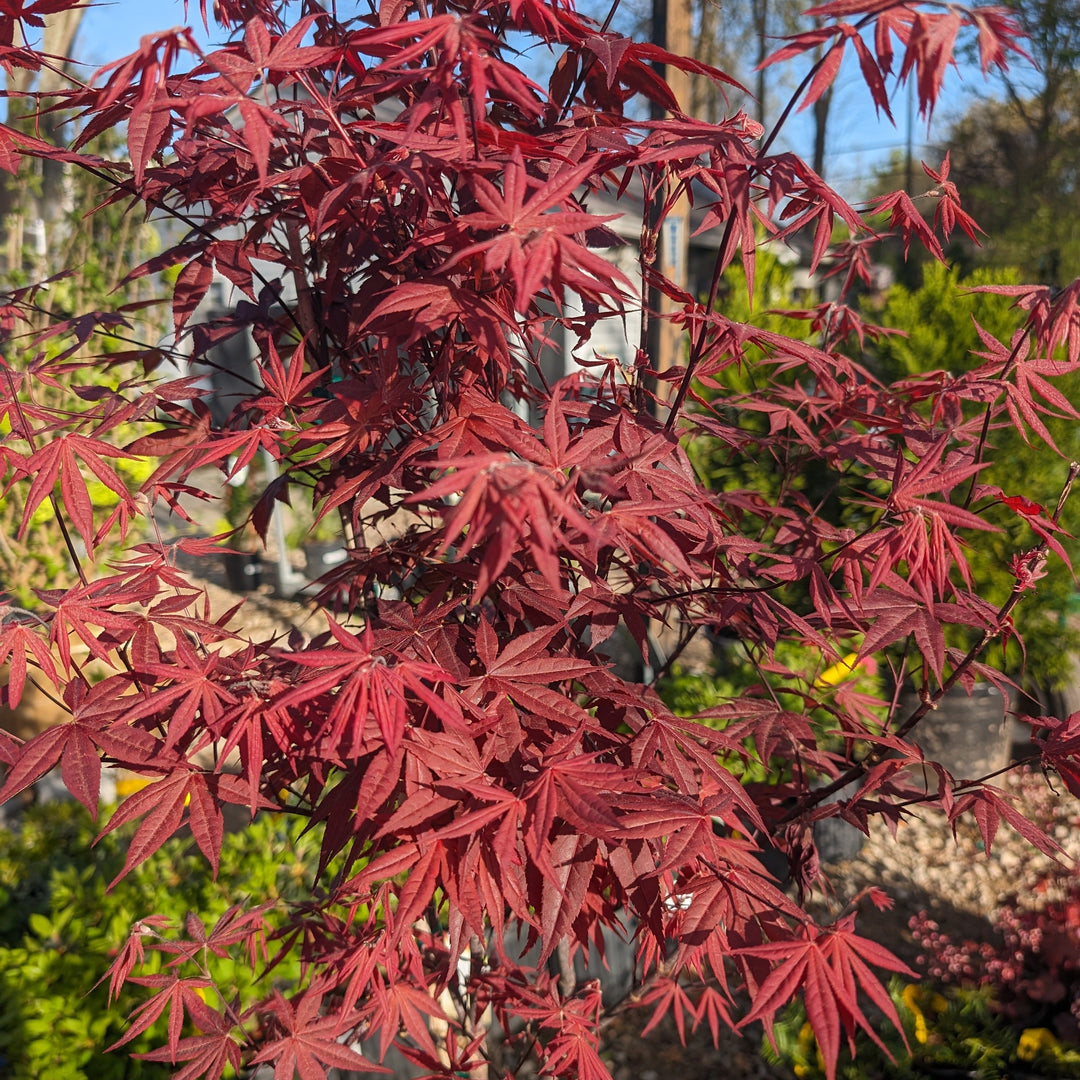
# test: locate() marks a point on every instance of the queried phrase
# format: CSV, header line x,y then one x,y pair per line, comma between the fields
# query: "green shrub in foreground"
x,y
956,1033
61,927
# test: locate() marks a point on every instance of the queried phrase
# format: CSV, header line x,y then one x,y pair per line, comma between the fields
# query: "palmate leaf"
x,y
367,682
20,640
669,997
180,996
58,461
207,1054
905,216
890,614
1054,315
77,746
931,42
574,1050
305,1041
990,806
148,66
196,692
400,1005
563,893
929,39
948,213
829,67
829,968
96,604
536,240
163,805
505,506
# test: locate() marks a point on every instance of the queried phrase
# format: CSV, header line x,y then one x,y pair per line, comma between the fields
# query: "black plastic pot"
x,y
322,557
965,733
243,570
834,838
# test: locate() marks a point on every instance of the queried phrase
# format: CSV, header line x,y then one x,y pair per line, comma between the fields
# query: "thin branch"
x,y
931,701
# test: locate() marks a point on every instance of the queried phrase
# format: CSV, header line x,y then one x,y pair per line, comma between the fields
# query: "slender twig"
x,y
698,346
932,700
685,637
586,67
969,786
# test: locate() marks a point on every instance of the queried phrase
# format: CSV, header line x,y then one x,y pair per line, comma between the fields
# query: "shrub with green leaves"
x,y
955,1034
61,926
943,323
942,326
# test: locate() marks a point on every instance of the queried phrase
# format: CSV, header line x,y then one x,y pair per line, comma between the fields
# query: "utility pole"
x,y
760,11
672,31
909,272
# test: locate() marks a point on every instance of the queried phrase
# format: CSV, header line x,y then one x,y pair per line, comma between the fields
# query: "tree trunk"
x,y
30,202
761,32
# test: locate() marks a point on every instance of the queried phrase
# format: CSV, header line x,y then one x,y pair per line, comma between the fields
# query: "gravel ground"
x,y
952,878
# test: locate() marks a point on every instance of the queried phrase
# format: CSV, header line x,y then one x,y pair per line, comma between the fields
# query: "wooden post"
x,y
667,342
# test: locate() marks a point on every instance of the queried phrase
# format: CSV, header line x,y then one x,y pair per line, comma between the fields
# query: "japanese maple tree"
x,y
408,221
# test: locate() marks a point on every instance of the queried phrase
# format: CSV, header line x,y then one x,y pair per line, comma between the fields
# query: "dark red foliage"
x,y
408,222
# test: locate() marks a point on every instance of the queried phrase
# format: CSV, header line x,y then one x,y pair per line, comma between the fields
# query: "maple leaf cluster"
x,y
405,219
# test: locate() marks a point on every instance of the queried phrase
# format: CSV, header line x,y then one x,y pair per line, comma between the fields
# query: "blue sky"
x,y
111,30
857,141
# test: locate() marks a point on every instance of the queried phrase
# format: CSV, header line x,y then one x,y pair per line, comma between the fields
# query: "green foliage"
x,y
774,293
719,467
954,1034
61,926
938,320
1015,161
791,673
938,332
689,693
789,678
103,246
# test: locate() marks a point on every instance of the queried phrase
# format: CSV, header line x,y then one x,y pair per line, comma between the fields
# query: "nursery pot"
x,y
322,556
243,570
834,838
965,733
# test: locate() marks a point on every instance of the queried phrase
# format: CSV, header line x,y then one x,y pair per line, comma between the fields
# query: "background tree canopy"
x,y
1016,153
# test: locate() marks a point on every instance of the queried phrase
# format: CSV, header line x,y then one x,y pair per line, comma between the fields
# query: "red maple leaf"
x,y
536,240
305,1042
21,639
828,967
163,806
536,531
208,1054
948,213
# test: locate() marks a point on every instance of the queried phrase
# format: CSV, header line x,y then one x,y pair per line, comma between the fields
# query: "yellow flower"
x,y
1033,1041
915,999
808,1043
838,673
921,1033
129,784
